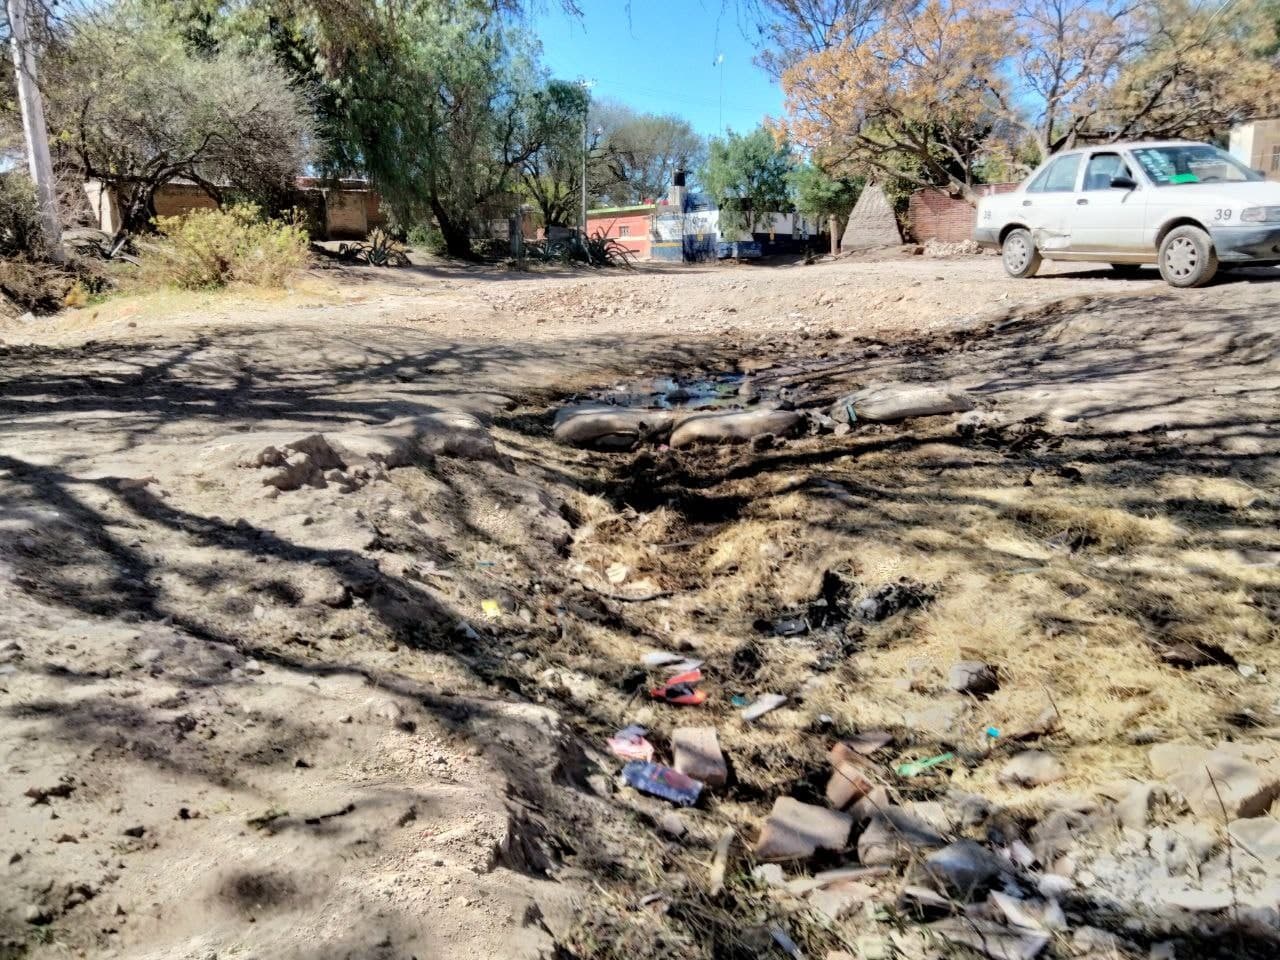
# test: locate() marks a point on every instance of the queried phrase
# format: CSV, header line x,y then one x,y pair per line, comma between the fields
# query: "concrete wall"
x,y
175,199
345,212
1257,144
931,214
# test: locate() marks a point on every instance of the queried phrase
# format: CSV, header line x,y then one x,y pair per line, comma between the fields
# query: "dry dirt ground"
x,y
356,706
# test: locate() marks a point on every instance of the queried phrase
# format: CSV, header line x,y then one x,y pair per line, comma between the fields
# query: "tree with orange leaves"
x,y
923,91
910,101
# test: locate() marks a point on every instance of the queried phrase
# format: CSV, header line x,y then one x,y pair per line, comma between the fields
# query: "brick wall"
x,y
933,214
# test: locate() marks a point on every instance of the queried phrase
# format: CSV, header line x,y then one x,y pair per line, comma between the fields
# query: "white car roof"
x,y
1131,145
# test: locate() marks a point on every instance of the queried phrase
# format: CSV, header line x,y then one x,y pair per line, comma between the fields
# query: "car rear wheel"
x,y
1019,254
1187,257
1126,269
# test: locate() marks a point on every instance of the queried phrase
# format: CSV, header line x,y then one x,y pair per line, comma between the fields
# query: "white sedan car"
x,y
1187,207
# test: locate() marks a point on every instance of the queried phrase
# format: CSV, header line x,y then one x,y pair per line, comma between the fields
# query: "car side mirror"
x,y
1124,183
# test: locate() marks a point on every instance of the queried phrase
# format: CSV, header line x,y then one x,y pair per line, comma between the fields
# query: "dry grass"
x,y
1066,588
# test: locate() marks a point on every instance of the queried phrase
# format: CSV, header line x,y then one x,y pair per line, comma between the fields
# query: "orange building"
x,y
628,225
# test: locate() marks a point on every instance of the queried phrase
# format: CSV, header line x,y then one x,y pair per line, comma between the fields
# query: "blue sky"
x,y
661,58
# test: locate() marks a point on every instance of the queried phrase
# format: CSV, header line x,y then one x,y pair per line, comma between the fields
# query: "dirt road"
x,y
355,704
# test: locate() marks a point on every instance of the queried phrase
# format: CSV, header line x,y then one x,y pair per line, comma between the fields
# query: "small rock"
x,y
964,869
974,678
923,903
865,743
991,939
1054,885
1212,780
1196,901
617,573
135,831
938,719
37,916
893,835
697,754
838,899
770,874
1134,809
1091,940
148,655
1032,768
794,830
673,825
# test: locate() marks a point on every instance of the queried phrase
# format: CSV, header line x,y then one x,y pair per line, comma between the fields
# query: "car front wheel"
x,y
1019,254
1187,257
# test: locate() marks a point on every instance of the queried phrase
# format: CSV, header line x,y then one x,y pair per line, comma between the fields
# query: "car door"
x,y
1107,219
1046,202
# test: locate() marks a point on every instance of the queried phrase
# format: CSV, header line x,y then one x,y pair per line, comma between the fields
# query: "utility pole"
x,y
586,85
37,136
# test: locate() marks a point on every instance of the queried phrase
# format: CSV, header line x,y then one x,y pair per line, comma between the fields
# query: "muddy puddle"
x,y
715,391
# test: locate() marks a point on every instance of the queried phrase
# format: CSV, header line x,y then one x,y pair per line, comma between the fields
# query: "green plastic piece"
x,y
916,767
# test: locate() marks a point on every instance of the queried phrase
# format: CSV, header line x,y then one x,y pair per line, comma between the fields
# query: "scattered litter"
x,y
917,767
660,658
868,742
762,705
785,942
664,782
486,563
629,743
491,609
617,573
892,598
671,662
680,690
738,700
720,861
793,627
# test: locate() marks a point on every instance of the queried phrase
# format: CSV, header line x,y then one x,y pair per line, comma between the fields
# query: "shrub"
x,y
211,248
428,237
19,219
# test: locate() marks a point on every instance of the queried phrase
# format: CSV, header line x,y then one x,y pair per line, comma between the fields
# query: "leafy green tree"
x,y
552,173
750,175
438,102
130,105
819,196
634,154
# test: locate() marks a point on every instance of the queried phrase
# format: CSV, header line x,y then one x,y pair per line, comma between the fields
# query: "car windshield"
x,y
1192,163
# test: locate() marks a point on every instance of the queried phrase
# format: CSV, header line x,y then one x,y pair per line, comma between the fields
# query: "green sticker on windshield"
x,y
1184,178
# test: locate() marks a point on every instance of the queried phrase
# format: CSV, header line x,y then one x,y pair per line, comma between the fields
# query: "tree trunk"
x,y
457,238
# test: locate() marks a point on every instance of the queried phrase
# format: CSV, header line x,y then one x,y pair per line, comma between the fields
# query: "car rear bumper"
x,y
1260,244
986,237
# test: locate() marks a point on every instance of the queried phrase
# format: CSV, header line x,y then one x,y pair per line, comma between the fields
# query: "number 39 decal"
x,y
1222,214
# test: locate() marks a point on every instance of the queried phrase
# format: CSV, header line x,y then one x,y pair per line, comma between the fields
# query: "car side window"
x,y
1058,177
1101,168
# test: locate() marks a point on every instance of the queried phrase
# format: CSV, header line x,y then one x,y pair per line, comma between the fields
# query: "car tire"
x,y
1126,269
1187,257
1019,255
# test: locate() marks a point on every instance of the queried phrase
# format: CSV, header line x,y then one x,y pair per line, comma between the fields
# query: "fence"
x,y
931,214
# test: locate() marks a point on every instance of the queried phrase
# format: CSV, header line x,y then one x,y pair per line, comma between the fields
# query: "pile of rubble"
x,y
1144,868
